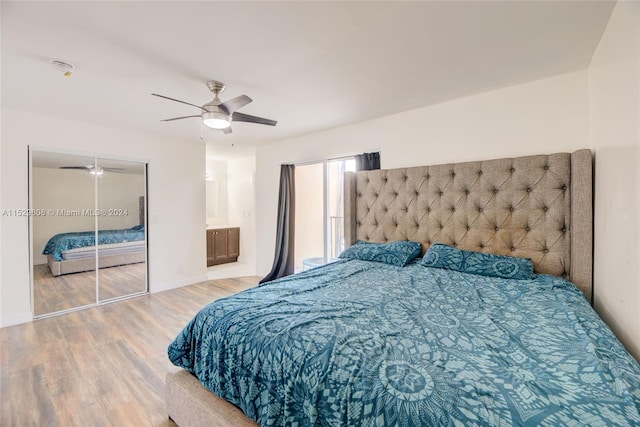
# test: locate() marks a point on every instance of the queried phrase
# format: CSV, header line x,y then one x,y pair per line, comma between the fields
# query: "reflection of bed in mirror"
x,y
76,251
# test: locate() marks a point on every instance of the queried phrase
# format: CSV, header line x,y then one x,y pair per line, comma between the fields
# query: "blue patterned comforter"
x,y
80,239
363,343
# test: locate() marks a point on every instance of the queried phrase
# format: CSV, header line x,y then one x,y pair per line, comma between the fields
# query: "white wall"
x,y
242,205
543,116
176,202
614,89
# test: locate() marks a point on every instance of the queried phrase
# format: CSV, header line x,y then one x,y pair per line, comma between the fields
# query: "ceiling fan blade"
x,y
239,117
75,167
235,103
179,118
113,169
177,100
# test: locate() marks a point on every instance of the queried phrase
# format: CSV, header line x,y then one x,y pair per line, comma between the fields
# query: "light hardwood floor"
x,y
102,366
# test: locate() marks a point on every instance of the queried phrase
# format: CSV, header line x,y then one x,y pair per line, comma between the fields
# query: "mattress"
x,y
366,343
103,250
83,239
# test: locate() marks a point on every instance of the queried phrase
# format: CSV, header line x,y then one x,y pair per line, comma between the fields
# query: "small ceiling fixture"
x,y
62,66
216,120
219,115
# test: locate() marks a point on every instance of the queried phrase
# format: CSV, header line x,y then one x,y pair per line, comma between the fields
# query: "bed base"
x,y
89,264
189,404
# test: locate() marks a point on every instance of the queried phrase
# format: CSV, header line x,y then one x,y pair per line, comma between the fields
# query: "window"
x,y
319,234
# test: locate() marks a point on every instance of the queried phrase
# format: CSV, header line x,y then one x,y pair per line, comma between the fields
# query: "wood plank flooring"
x,y
103,366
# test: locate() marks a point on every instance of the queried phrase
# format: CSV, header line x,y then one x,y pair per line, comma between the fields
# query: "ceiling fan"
x,y
93,170
219,115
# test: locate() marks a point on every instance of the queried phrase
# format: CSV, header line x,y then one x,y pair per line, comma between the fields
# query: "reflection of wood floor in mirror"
x,y
51,294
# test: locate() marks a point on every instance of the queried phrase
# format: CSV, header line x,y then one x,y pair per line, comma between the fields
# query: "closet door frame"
x,y
96,159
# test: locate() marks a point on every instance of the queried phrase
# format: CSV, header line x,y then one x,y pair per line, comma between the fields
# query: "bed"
x,y
75,252
458,331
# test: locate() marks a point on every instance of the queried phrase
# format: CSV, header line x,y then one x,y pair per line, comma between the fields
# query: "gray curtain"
x,y
283,262
367,161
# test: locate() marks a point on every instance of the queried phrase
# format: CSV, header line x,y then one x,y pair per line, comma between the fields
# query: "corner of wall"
x,y
160,287
614,136
15,319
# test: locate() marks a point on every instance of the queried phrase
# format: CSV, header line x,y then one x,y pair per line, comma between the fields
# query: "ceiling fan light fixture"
x,y
216,120
219,115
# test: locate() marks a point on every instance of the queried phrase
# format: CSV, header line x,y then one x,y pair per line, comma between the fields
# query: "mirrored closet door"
x,y
88,230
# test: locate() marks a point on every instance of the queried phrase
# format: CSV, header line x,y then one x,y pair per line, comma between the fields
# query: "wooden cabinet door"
x,y
220,245
210,246
233,243
223,245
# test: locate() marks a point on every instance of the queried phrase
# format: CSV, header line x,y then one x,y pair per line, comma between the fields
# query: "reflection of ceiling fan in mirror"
x,y
93,170
219,115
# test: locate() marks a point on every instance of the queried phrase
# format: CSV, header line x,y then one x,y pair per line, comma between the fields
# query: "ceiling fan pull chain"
x,y
201,137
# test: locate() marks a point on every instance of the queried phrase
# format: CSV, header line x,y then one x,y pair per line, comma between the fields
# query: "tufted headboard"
x,y
539,207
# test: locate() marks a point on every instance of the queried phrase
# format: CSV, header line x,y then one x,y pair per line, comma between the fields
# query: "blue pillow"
x,y
394,253
507,267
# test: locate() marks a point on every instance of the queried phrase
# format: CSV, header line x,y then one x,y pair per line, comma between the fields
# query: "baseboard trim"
x,y
159,287
15,320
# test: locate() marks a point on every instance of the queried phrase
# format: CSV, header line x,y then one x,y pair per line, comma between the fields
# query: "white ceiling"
x,y
309,65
